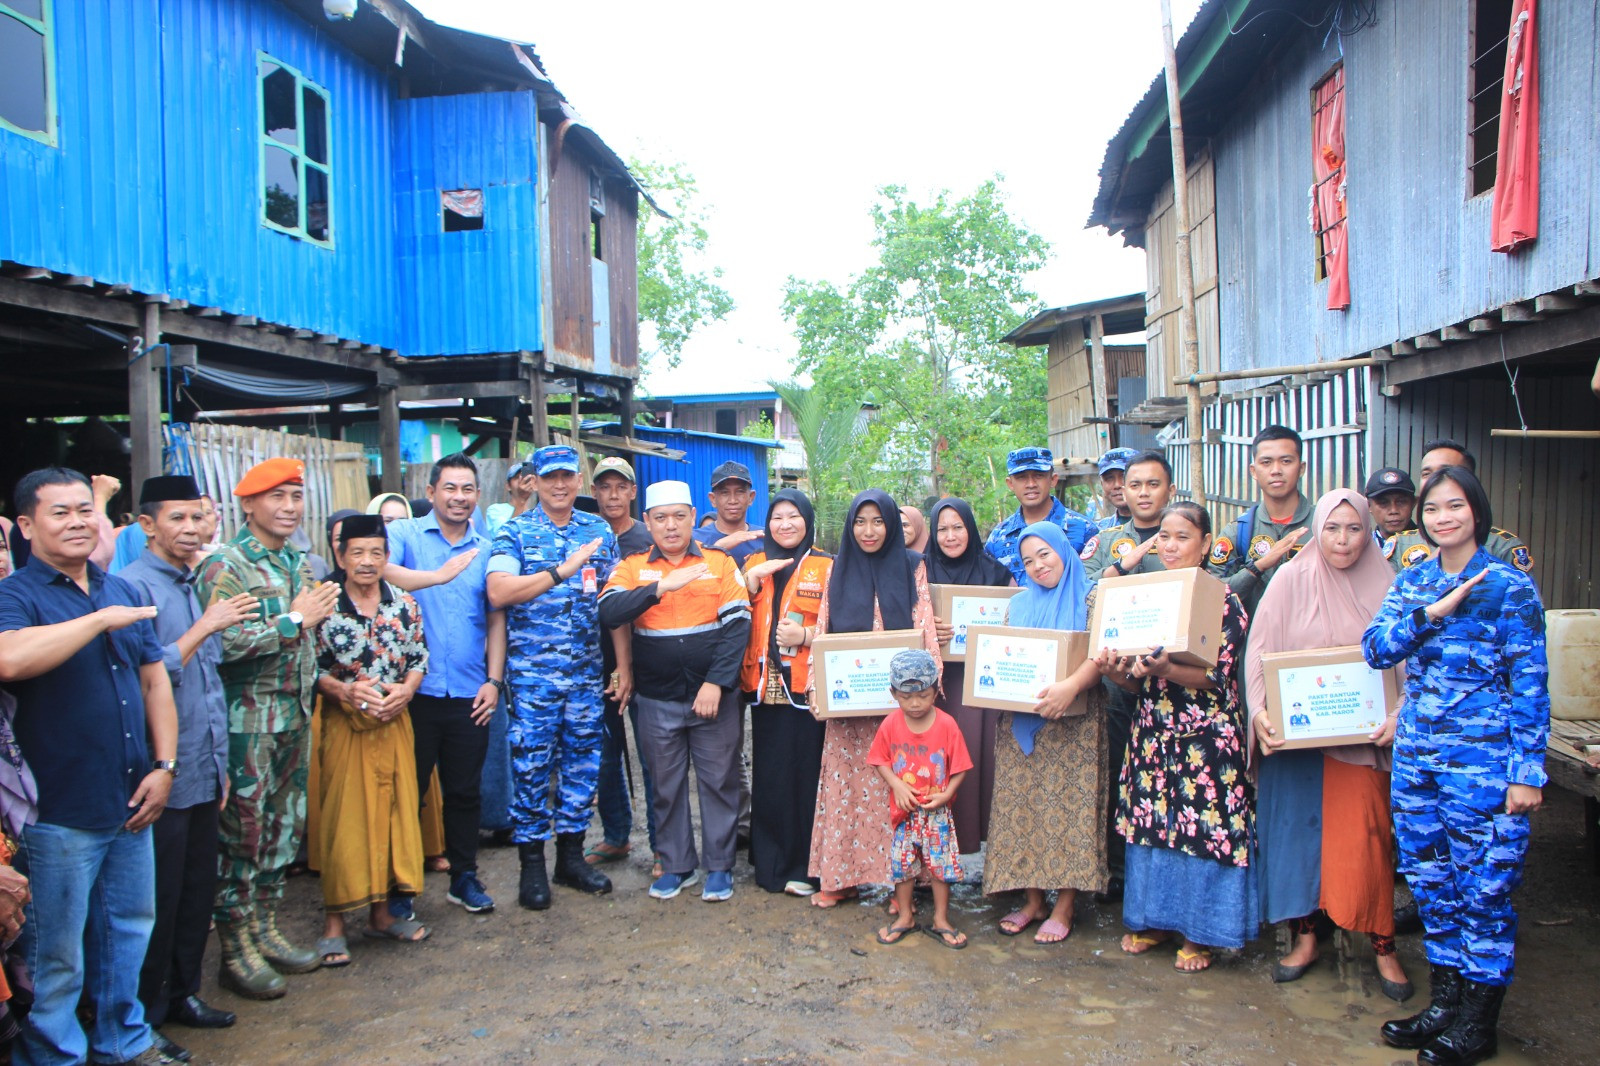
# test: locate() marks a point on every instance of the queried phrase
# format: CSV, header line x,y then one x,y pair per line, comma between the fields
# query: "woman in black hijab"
x,y
956,557
785,581
876,584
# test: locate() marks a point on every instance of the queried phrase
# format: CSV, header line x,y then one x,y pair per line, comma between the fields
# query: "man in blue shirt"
x,y
546,570
173,527
732,493
81,657
1031,477
466,661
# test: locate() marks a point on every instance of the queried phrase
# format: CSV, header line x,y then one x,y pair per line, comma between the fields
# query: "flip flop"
x,y
333,945
827,900
802,889
401,929
940,935
896,933
604,853
1144,943
1019,922
1189,956
1056,931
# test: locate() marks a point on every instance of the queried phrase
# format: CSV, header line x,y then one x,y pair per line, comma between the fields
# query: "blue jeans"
x,y
616,810
495,791
87,928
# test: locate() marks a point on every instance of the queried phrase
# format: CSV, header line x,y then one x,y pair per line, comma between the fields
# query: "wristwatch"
x,y
1116,564
1253,568
555,574
499,684
169,765
289,624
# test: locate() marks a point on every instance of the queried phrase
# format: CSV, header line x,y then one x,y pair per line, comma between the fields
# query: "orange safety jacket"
x,y
803,596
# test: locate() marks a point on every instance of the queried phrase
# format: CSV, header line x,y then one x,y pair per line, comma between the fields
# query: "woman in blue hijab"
x,y
1047,826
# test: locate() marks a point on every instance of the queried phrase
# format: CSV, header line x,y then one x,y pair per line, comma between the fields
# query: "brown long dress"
x,y
850,835
1047,826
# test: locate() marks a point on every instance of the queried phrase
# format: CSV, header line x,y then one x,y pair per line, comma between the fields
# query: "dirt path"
x,y
771,979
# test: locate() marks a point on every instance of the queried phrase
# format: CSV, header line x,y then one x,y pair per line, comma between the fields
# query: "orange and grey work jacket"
x,y
802,596
689,636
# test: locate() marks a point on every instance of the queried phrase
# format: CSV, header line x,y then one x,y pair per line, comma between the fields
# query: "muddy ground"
x,y
770,979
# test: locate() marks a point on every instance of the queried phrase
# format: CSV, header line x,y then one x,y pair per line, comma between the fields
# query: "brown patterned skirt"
x,y
1047,826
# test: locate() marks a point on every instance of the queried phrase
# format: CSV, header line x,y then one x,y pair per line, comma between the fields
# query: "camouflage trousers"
x,y
556,728
263,821
1462,855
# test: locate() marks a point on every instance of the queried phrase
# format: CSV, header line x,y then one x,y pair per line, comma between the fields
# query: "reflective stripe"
x,y
684,632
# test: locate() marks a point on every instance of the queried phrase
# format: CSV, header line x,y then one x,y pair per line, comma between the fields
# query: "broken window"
x,y
1491,31
296,164
27,77
462,209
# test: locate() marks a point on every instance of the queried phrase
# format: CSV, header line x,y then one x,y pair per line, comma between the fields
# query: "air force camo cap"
x,y
1389,479
1030,459
1116,459
553,457
912,671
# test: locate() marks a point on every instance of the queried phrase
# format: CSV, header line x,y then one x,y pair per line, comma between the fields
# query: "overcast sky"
x,y
792,117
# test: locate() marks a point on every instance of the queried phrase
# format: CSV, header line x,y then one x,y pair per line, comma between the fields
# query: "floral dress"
x,y
1184,785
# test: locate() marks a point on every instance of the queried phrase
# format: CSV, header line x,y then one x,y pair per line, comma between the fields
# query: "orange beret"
x,y
264,477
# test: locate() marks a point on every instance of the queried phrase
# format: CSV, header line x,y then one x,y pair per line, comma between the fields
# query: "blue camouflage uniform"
x,y
553,670
1005,538
1475,720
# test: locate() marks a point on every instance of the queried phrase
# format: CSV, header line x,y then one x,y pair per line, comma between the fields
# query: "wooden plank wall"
x,y
570,331
1070,395
218,455
1163,333
1330,415
1542,490
620,240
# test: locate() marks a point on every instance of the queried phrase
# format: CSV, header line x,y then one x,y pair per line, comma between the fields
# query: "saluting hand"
x,y
1282,547
315,604
754,575
1451,601
454,565
119,616
225,614
733,540
681,577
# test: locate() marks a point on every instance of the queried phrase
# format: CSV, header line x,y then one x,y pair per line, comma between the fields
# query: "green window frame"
x,y
295,161
44,26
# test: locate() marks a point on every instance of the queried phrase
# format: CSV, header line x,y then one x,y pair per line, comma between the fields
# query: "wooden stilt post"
x,y
144,403
1180,217
389,439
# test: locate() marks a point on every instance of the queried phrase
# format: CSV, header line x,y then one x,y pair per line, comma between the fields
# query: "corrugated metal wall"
x,y
219,252
92,204
1419,246
1541,490
703,453
475,291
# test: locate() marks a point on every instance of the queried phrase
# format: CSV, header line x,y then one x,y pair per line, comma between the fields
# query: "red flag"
x,y
1516,182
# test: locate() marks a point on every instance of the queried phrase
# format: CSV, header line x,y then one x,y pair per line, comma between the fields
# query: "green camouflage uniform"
x,y
1229,556
1406,549
268,680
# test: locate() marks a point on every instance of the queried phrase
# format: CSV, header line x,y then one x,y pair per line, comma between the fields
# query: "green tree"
x,y
919,331
842,444
678,294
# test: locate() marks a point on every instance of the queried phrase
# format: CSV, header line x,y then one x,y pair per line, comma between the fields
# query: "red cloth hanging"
x,y
1516,181
1327,196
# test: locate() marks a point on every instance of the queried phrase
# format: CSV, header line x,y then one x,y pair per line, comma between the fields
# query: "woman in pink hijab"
x,y
1324,836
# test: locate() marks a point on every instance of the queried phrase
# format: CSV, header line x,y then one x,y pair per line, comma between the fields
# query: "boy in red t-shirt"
x,y
920,752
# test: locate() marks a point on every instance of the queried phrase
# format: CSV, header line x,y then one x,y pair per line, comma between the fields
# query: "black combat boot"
x,y
1419,1029
534,891
1474,1036
572,871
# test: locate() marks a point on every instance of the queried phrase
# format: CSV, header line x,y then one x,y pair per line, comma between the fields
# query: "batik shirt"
x,y
1477,683
1183,785
266,676
1005,539
383,648
557,631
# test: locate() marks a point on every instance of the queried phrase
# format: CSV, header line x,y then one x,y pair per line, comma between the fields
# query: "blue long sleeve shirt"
x,y
1477,682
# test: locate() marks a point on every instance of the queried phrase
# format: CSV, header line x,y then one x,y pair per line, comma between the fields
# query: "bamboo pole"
x,y
1549,434
1276,371
1180,218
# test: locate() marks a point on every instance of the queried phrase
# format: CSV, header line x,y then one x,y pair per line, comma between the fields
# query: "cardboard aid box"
x,y
1327,698
851,671
1179,610
1007,666
964,606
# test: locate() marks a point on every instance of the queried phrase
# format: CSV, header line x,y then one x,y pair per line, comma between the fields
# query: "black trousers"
x,y
1120,708
185,841
786,752
447,737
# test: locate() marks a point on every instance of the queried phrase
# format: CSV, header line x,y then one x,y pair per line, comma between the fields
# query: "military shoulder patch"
x,y
1521,558
1221,548
1122,547
1415,554
1260,544
1090,548
1388,547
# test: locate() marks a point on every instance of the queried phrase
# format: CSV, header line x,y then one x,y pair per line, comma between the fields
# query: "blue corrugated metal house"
x,y
1446,320
702,453
389,207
